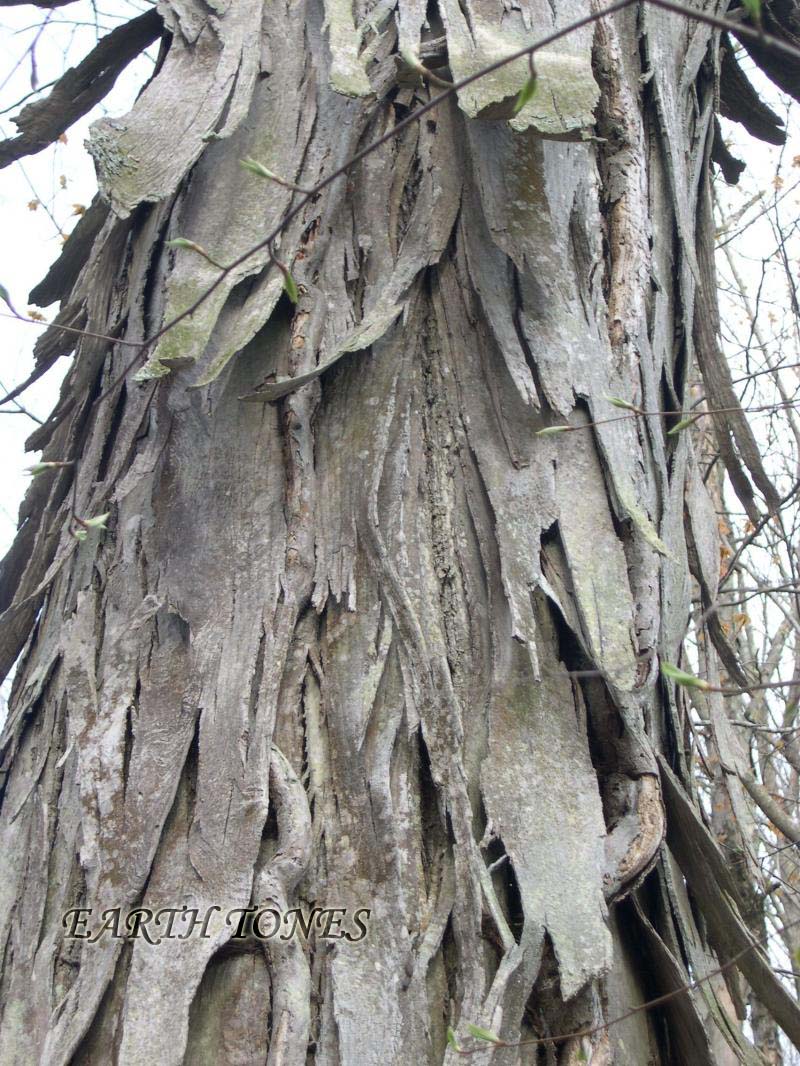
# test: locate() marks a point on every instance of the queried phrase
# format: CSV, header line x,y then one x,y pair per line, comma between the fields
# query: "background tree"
x,y
358,634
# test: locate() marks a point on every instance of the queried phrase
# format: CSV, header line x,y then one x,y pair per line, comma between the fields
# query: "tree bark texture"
x,y
325,651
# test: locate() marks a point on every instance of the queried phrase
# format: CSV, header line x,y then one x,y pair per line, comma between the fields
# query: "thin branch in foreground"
x,y
69,329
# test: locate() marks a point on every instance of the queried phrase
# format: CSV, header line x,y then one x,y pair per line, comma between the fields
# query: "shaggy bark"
x,y
326,652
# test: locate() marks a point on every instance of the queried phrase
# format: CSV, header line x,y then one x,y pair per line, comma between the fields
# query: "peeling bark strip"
x,y
322,656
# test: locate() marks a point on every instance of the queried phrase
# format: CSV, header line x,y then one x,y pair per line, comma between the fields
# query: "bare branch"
x,y
773,810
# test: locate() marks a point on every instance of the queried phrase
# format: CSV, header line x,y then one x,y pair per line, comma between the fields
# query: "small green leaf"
x,y
258,169
683,424
617,402
525,95
79,534
682,678
290,287
451,1039
753,9
482,1034
552,430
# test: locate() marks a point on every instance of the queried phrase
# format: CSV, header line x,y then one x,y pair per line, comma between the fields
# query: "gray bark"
x,y
323,653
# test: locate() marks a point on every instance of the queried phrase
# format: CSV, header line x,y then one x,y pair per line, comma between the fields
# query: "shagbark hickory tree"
x,y
356,637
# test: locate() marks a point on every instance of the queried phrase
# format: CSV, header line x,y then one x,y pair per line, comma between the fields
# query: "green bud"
x,y
617,402
552,430
482,1034
682,678
258,169
98,522
410,59
683,424
6,298
42,468
290,287
181,242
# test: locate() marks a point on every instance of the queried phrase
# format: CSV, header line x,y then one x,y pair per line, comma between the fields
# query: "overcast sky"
x,y
55,180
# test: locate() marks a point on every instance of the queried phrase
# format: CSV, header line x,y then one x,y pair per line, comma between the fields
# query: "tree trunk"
x,y
370,642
